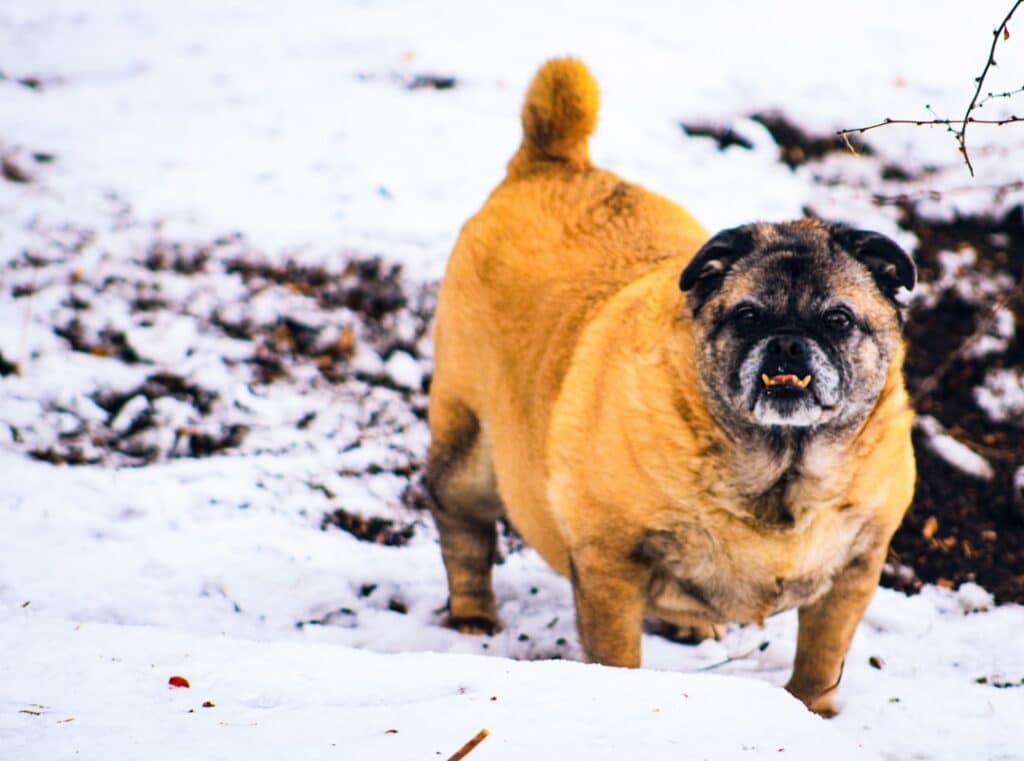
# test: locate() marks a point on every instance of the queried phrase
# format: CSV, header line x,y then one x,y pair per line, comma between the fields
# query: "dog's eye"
x,y
838,320
746,314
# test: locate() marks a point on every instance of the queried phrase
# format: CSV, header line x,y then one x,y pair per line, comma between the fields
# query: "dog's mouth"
x,y
786,380
791,384
786,393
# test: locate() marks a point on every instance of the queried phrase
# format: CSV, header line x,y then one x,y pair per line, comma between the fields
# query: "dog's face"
x,y
795,324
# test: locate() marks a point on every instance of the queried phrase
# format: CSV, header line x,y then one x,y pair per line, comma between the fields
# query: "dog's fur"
x,y
602,381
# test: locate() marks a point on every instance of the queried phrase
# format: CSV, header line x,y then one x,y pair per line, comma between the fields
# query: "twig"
x,y
760,648
473,742
994,95
961,133
930,122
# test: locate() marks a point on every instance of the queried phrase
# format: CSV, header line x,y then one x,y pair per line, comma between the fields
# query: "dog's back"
x,y
553,241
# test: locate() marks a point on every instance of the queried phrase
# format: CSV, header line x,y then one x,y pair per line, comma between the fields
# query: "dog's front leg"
x,y
826,628
609,591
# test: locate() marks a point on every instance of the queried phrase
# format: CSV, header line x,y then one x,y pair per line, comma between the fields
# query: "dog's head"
x,y
795,324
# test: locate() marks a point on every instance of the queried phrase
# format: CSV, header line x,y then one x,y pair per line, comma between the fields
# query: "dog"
x,y
695,429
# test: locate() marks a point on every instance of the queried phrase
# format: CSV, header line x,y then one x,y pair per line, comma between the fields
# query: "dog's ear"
x,y
890,265
709,266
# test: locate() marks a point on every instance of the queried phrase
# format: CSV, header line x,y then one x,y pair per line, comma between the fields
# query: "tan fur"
x,y
566,393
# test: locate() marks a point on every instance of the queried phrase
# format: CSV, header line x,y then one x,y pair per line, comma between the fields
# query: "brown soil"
x,y
963,528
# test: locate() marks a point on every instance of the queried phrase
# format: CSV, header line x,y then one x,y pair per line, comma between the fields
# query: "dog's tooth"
x,y
765,379
805,381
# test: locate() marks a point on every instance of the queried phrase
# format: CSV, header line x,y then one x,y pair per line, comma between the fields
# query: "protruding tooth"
x,y
765,379
805,381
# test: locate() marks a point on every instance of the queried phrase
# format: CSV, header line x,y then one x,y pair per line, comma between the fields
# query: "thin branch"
x,y
846,139
961,133
994,95
470,744
929,122
760,648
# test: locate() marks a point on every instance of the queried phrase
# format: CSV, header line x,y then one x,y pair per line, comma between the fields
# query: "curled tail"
x,y
559,114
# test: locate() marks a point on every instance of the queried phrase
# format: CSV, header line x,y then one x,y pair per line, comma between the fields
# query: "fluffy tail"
x,y
559,114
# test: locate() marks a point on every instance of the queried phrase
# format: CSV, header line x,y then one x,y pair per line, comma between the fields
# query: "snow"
x,y
404,370
136,575
187,136
960,274
956,453
322,702
1002,395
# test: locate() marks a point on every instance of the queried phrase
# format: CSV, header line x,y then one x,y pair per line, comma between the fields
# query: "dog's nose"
x,y
787,347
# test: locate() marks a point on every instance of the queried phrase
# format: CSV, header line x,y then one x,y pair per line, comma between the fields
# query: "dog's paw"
x,y
821,702
474,625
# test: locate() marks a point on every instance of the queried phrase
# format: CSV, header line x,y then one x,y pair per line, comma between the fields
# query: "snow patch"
x,y
952,451
335,702
1001,396
404,370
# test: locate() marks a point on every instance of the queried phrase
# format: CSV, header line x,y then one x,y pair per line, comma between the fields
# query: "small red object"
x,y
178,681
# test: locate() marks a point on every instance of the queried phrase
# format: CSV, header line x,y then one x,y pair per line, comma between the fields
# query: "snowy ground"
x,y
222,402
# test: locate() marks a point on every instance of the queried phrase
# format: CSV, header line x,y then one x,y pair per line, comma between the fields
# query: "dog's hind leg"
x,y
466,505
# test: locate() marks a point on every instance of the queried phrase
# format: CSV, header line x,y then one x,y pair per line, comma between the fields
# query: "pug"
x,y
695,429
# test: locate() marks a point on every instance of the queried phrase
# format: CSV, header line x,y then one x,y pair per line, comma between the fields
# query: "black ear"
x,y
709,266
889,264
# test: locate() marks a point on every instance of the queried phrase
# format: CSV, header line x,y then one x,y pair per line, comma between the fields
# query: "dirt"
x,y
796,146
724,137
376,530
368,287
431,82
963,528
364,302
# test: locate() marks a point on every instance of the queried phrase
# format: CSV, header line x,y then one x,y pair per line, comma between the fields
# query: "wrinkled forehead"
x,y
799,277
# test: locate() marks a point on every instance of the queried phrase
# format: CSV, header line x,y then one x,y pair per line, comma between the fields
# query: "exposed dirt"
x,y
724,137
963,528
796,146
369,287
431,81
377,530
312,323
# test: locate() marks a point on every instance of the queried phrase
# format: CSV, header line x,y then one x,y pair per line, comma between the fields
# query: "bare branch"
x,y
929,122
961,133
994,95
